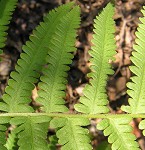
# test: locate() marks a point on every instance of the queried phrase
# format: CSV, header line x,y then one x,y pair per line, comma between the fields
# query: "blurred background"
x,y
27,16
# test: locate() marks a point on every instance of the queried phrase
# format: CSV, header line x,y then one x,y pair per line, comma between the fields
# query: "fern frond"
x,y
3,128
95,98
137,86
119,132
6,9
11,141
142,126
59,56
70,133
32,132
19,88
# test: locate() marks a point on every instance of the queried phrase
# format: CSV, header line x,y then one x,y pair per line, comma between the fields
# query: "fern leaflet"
x,y
52,45
59,56
11,141
142,126
3,128
137,86
95,99
119,132
30,64
6,9
52,85
70,133
32,132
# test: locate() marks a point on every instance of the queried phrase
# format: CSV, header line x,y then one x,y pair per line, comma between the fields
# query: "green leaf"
x,y
95,98
11,143
6,9
142,126
53,85
137,86
18,91
119,133
3,128
70,133
32,132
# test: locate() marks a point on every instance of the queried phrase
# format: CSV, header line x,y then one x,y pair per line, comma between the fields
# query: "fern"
x,y
11,141
70,133
137,86
102,52
6,9
119,132
95,98
94,92
32,132
49,52
3,128
52,85
142,126
29,66
59,56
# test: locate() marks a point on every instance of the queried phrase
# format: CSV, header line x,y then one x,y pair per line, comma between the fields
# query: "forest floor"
x,y
27,16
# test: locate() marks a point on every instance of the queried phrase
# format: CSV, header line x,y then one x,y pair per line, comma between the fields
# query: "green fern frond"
x,y
137,86
6,9
19,88
59,56
11,141
32,132
3,128
70,133
119,132
95,98
142,126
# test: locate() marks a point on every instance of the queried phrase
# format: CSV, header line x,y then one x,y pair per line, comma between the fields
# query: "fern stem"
x,y
61,115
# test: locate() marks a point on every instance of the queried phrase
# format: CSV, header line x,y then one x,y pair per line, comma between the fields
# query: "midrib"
x,y
73,135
